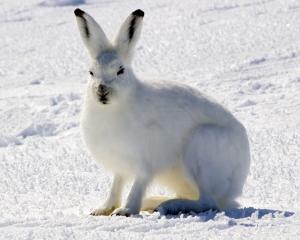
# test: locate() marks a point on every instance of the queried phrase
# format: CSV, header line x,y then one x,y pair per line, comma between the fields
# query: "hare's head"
x,y
110,72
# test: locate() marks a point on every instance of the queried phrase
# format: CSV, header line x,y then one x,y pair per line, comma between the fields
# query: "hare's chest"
x,y
114,141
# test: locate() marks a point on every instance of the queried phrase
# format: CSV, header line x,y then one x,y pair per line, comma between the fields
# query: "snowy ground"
x,y
246,54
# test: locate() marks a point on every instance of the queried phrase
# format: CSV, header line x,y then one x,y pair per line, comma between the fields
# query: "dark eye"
x,y
91,73
121,70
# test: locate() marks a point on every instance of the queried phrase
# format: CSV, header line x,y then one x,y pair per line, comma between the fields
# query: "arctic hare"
x,y
168,132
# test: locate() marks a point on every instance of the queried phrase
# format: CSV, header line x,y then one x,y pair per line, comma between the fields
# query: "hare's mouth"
x,y
103,93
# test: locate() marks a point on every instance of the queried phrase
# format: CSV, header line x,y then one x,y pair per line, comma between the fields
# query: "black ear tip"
x,y
78,12
138,13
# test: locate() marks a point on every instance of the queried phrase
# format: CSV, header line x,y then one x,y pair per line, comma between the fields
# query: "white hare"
x,y
167,132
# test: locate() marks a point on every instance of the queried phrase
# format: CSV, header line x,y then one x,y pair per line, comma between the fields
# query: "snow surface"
x,y
245,54
53,3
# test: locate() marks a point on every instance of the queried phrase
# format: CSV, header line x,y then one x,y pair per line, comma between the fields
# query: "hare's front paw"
x,y
126,212
103,211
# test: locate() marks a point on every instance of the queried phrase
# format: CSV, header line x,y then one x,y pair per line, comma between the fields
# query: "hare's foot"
x,y
148,204
114,199
103,211
134,200
176,206
126,212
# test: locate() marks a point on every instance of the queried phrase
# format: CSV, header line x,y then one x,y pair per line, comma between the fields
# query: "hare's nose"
x,y
101,88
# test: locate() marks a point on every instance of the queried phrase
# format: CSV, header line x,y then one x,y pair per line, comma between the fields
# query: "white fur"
x,y
161,131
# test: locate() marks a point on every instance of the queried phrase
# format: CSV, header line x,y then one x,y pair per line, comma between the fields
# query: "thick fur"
x,y
162,131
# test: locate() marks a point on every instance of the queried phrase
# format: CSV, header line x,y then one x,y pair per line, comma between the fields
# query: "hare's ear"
x,y
129,34
91,33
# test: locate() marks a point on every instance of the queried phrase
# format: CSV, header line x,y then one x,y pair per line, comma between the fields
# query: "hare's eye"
x,y
91,73
121,70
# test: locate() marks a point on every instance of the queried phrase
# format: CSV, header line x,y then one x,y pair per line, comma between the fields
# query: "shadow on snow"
x,y
249,212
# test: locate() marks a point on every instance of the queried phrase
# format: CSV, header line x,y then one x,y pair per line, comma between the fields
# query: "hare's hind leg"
x,y
175,206
187,198
218,157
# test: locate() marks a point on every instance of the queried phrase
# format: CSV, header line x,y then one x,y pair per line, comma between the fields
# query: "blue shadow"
x,y
237,214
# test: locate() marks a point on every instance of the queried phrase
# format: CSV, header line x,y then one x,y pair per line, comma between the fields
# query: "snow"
x,y
53,3
245,54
